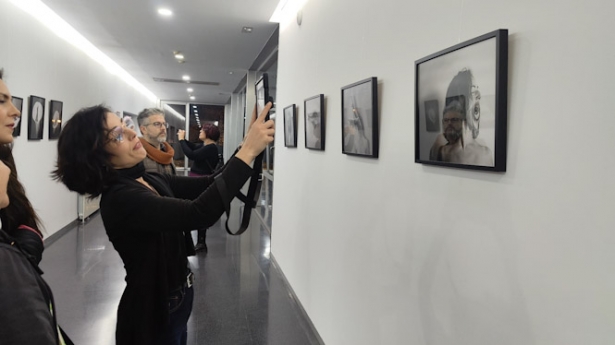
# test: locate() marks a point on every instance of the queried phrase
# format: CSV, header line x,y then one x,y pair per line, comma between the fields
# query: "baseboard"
x,y
307,324
72,225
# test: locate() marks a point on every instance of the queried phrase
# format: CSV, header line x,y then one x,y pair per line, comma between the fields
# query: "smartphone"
x,y
262,94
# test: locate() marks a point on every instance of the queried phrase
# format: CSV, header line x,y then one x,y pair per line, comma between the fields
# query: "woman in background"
x,y
27,311
146,214
205,157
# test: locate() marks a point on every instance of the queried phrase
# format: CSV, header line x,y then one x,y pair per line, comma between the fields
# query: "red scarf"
x,y
157,154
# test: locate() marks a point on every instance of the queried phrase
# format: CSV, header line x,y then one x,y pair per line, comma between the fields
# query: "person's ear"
x,y
142,129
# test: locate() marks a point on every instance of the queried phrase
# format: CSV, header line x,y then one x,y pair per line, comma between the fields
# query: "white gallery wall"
x,y
39,63
387,251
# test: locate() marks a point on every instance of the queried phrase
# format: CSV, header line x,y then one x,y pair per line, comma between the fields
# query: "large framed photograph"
x,y
18,103
360,118
461,104
36,118
55,119
290,126
314,112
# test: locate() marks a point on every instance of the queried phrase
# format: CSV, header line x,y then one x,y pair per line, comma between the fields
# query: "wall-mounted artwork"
x,y
290,126
314,112
360,118
464,88
55,119
36,118
18,103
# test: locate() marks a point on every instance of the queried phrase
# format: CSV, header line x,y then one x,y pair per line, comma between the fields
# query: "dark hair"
x,y
146,113
83,164
211,131
20,210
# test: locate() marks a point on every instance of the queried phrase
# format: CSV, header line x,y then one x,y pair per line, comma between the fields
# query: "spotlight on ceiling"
x,y
192,98
189,89
186,77
165,12
247,29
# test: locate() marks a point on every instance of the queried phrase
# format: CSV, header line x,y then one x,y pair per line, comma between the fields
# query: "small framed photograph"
x,y
36,118
290,126
314,112
360,118
461,104
55,119
18,103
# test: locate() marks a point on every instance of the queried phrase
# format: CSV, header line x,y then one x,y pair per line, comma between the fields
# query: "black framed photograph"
x,y
55,119
314,112
36,118
290,126
360,118
18,103
461,104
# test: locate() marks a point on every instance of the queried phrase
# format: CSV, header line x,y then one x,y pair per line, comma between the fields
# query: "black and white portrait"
x,y
18,103
55,119
463,130
360,118
290,126
36,118
314,122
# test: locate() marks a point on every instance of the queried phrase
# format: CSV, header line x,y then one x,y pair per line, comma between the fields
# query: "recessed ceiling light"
x,y
189,89
231,72
247,29
165,12
186,77
192,98
179,56
194,106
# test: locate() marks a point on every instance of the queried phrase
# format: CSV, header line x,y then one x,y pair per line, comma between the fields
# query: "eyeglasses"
x,y
454,120
159,124
116,134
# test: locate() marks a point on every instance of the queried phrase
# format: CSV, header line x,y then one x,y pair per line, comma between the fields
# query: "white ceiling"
x,y
207,32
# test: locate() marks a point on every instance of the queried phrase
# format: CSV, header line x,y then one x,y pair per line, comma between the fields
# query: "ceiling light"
x,y
165,12
192,98
62,29
194,106
189,89
231,72
186,77
179,56
247,29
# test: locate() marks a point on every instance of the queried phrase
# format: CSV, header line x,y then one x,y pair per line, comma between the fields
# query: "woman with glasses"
x,y
145,215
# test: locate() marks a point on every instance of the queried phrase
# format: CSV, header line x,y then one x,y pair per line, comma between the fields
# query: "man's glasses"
x,y
116,134
454,120
159,124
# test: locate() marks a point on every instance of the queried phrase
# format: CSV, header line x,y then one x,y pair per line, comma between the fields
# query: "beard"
x,y
161,138
452,135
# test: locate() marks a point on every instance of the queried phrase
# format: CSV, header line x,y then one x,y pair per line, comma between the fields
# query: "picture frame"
x,y
55,119
290,126
360,118
18,103
464,90
314,115
36,117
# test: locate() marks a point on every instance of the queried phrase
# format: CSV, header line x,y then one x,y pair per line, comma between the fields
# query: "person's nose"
x,y
14,112
130,134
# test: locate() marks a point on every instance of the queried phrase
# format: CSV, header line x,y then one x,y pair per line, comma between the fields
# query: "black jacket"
x,y
146,230
205,157
25,298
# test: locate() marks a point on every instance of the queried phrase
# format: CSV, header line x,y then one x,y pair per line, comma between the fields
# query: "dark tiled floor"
x,y
240,295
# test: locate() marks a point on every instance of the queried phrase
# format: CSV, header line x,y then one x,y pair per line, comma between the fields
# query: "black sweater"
x,y
205,157
146,229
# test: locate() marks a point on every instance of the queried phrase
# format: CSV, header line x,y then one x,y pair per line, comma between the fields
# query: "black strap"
x,y
249,200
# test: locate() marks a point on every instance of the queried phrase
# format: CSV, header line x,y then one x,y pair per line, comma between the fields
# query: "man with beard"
x,y
154,130
459,141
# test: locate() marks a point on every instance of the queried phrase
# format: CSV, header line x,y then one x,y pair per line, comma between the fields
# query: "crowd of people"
x,y
98,154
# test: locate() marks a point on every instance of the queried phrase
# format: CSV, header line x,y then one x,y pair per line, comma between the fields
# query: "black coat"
x,y
147,228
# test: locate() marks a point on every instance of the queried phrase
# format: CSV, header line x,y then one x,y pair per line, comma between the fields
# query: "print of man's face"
x,y
453,125
473,111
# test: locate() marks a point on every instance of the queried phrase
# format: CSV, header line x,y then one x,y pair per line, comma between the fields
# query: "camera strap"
x,y
250,201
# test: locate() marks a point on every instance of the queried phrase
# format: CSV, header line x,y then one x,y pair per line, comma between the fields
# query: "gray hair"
x,y
146,113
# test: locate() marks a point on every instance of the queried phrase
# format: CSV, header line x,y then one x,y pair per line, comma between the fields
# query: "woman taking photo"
x,y
205,158
27,311
145,215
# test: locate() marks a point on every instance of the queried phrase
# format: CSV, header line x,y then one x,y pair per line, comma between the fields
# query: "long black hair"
x,y
20,210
